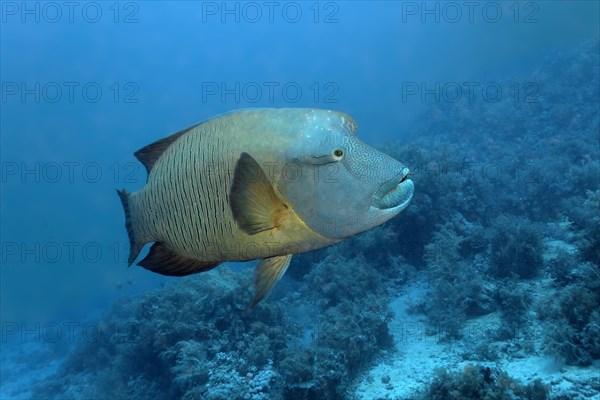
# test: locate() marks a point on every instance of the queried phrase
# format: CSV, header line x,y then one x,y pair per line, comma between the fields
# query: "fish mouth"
x,y
394,194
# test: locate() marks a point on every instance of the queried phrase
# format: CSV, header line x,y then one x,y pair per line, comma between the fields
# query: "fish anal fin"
x,y
149,154
255,206
267,274
164,261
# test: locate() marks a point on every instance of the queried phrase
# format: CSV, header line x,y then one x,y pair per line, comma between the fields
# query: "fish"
x,y
263,183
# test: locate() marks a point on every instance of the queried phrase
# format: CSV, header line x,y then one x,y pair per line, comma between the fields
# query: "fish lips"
x,y
394,194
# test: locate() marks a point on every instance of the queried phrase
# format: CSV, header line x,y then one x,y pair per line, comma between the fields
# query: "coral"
x,y
587,220
355,333
514,302
351,328
190,369
196,339
330,277
458,289
180,340
481,207
478,382
572,319
226,381
563,267
516,248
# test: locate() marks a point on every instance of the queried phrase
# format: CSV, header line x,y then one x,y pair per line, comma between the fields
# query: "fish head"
x,y
338,185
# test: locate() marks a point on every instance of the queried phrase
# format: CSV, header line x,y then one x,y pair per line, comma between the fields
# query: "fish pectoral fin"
x,y
164,261
267,274
255,206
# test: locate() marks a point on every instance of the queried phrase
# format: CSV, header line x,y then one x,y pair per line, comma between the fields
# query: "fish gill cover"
x,y
486,287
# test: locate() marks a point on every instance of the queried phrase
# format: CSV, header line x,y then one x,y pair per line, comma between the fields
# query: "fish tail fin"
x,y
134,246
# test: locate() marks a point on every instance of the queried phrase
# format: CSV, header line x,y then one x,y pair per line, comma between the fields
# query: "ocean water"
x,y
488,284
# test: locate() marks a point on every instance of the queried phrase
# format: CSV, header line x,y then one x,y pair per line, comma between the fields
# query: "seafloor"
x,y
486,287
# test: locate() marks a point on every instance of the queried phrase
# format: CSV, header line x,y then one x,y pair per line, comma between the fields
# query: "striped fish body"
x,y
185,203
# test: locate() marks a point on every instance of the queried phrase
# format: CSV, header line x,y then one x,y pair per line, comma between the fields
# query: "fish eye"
x,y
338,152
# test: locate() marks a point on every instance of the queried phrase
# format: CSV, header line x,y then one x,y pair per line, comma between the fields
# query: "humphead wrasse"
x,y
259,184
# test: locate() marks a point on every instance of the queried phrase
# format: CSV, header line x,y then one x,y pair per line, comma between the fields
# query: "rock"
x,y
385,379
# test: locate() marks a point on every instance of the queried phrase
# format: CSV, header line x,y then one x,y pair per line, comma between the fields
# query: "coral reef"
x,y
196,339
488,199
458,290
513,301
516,247
572,317
479,382
191,340
586,220
349,332
504,222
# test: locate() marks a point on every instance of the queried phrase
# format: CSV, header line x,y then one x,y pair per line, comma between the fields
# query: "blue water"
x,y
494,107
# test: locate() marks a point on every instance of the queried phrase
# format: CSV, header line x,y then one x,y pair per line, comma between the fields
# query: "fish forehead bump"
x,y
328,124
331,119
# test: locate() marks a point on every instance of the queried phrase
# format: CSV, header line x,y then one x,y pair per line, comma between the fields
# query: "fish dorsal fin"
x,y
268,272
255,206
164,261
149,154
